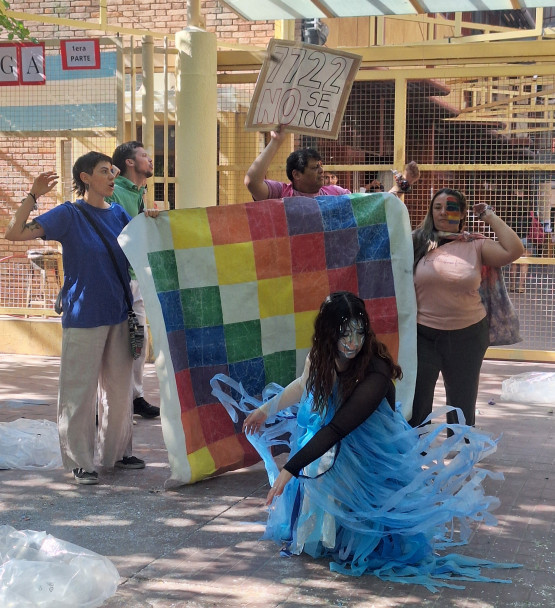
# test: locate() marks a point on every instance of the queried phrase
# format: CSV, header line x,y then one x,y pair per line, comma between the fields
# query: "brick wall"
x,y
158,15
24,157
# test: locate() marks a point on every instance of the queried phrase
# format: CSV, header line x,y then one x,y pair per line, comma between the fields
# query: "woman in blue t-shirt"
x,y
95,339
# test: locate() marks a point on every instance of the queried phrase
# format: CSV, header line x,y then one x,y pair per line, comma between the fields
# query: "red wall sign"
x,y
22,63
80,54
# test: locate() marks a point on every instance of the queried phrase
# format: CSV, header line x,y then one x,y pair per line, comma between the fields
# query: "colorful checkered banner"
x,y
236,289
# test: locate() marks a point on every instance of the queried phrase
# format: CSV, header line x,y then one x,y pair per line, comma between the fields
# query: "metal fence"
x,y
490,135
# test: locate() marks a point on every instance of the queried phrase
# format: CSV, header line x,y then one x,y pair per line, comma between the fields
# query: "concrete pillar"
x,y
148,110
196,110
194,18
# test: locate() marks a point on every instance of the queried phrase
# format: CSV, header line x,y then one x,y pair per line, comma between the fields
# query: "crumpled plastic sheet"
x,y
29,444
38,570
530,387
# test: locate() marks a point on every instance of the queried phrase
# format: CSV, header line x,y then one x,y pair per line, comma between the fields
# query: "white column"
x,y
196,110
148,109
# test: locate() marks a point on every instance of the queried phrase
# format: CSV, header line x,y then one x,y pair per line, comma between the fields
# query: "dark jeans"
x,y
458,355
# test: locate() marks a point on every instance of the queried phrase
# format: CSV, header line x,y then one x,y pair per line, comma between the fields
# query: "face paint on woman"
x,y
453,212
351,339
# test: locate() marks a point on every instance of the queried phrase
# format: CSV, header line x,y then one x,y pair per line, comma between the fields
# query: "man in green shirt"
x,y
135,167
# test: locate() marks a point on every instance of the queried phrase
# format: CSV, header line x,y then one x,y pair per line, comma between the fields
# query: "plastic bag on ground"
x,y
40,571
29,444
530,387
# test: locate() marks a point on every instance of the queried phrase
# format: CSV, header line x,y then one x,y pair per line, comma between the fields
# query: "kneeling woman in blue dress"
x,y
361,486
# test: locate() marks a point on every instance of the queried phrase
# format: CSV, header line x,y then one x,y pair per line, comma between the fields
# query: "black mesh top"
x,y
363,401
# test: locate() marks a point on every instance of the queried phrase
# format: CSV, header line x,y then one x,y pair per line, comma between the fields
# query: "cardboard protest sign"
x,y
303,86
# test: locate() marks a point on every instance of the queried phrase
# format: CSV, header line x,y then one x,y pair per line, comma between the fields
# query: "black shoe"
x,y
130,462
81,476
144,409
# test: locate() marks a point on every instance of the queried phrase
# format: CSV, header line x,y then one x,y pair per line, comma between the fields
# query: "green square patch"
x,y
243,341
201,307
164,270
368,209
281,367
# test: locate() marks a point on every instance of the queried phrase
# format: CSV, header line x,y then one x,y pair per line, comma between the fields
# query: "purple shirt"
x,y
281,190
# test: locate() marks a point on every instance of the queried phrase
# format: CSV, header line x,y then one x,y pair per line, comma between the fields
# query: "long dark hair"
x,y
425,236
336,310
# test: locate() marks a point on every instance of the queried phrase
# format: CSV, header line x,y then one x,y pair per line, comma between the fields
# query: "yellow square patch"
x,y
202,464
235,263
191,229
275,297
304,328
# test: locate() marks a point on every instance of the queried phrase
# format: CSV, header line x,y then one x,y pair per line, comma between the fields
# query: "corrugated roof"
x,y
258,10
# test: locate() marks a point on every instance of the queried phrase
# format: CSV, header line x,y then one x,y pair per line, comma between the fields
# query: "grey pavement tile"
x,y
199,546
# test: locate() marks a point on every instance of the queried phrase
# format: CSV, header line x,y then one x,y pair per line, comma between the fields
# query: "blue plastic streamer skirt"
x,y
385,499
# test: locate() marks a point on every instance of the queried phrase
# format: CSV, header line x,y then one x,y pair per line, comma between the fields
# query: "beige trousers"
x,y
139,364
93,356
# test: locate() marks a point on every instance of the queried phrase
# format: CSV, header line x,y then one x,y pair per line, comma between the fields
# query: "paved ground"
x,y
198,546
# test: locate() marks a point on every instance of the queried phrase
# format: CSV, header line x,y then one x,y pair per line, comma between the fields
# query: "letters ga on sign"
x,y
80,54
303,86
22,63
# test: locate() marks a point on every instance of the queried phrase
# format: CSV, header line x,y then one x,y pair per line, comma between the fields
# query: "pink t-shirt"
x,y
281,190
446,281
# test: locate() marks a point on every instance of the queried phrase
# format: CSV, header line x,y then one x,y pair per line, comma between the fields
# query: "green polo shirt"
x,y
130,198
128,195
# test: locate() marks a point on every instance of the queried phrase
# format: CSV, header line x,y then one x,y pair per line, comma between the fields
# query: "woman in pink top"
x,y
452,329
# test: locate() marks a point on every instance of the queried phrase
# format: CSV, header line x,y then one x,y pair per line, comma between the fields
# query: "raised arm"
x,y
254,179
403,183
508,246
19,229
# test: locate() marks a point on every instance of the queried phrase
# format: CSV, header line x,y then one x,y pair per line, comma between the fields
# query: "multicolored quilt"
x,y
235,290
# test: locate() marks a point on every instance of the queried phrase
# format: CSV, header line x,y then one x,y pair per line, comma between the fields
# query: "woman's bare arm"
x,y
508,246
19,228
